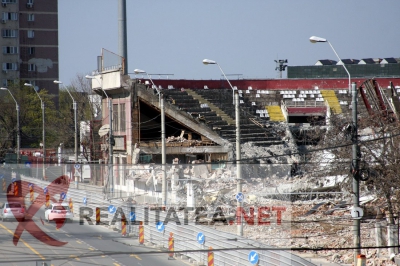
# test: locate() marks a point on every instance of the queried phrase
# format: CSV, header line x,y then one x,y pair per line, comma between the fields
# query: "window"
x,y
31,50
31,33
5,84
9,66
8,1
121,110
31,67
10,16
120,143
61,208
31,17
13,205
29,4
10,50
115,118
119,117
6,33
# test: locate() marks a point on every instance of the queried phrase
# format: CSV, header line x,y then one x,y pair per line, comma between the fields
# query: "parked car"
x,y
12,210
58,211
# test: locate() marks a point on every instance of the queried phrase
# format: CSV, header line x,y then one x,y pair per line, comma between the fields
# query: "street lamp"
x,y
238,148
44,130
212,62
110,137
140,71
75,121
315,39
18,133
163,147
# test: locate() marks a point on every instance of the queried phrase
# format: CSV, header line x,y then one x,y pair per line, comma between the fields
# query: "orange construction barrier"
x,y
31,195
97,215
71,205
171,246
141,234
361,260
16,189
47,200
210,257
123,225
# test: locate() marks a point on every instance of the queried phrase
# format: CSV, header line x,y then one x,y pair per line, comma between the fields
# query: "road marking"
x,y
79,242
75,257
91,248
187,263
68,235
23,241
116,264
136,256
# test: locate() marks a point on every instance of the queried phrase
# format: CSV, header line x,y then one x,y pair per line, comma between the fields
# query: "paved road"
x,y
86,245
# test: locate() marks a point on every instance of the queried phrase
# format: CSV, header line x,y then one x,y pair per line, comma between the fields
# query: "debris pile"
x,y
316,211
180,140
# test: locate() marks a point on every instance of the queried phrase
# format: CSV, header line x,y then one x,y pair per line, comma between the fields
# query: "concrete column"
x,y
378,237
393,239
191,203
174,186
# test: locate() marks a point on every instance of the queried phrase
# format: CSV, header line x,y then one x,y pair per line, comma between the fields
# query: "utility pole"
x,y
238,165
356,181
44,129
44,141
76,141
18,138
110,148
76,129
163,153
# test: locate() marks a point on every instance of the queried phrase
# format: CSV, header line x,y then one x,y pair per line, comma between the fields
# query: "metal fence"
x,y
184,234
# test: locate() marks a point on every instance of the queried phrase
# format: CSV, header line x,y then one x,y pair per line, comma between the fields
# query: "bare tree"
x,y
378,156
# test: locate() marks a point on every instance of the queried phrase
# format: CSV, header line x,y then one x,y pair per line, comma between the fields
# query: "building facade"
x,y
29,40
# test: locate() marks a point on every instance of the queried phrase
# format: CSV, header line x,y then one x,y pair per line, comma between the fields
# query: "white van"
x,y
86,173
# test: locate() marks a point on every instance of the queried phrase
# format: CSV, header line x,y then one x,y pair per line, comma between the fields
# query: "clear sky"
x,y
243,36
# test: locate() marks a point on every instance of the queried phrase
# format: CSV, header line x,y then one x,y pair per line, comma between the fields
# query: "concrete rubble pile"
x,y
269,181
181,139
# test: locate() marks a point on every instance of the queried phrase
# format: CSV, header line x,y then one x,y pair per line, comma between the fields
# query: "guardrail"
x,y
185,235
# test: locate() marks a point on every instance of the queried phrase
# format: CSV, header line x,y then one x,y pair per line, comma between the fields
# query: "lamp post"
x,y
75,123
110,137
315,39
44,130
238,148
212,62
355,169
18,133
163,147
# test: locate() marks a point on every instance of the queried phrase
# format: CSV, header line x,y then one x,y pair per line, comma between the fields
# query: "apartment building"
x,y
29,41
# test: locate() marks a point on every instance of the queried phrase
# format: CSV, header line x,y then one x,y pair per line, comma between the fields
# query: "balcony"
x,y
111,82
